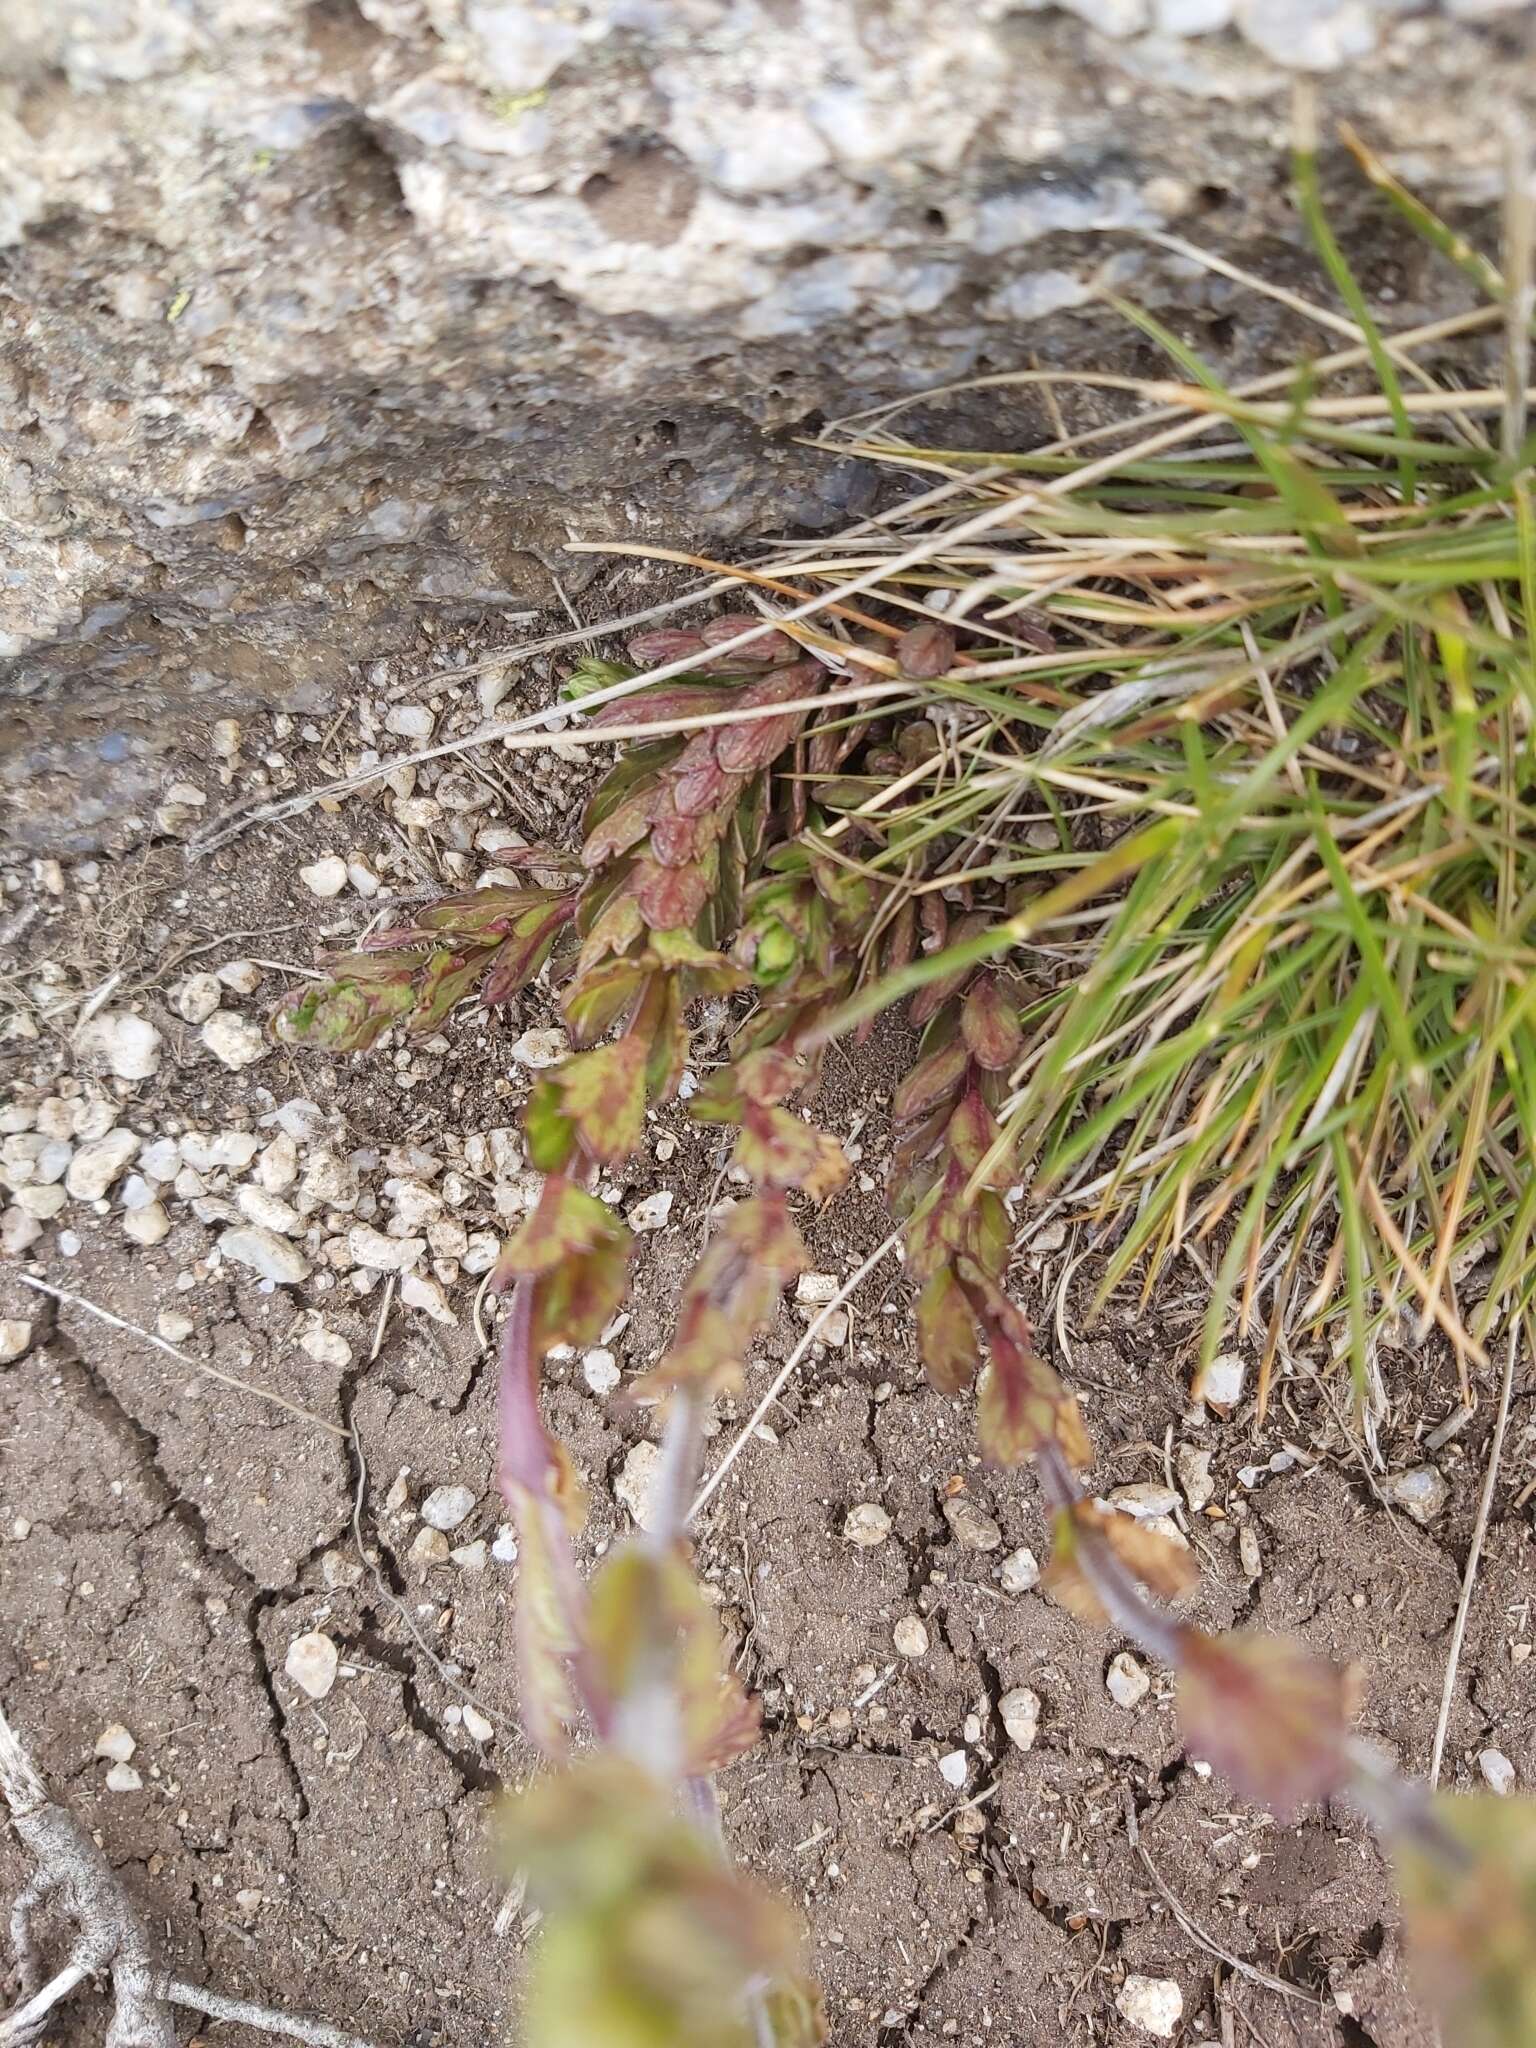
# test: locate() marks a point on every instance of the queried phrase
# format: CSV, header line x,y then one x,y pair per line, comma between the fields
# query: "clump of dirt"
x,y
315,1453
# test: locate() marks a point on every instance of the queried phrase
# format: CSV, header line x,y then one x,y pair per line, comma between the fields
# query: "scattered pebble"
x,y
278,1167
326,1347
955,1768
173,1326
124,1778
208,1151
817,1289
636,1477
910,1637
242,976
1155,2004
274,1258
1019,1711
1498,1772
1146,1499
1220,1386
311,1663
128,1046
420,1290
383,1254
1250,1556
1194,1469
970,1524
446,1506
470,1557
539,1049
148,1225
271,1212
15,1339
325,877
1019,1572
196,998
651,1211
476,1725
234,1041
1126,1681
1420,1492
600,1370
95,1166
430,1547
115,1744
867,1524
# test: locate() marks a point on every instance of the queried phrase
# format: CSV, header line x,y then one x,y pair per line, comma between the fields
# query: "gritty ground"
x,y
165,1535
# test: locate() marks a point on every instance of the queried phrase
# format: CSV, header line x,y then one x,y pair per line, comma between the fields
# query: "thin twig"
x,y
212,1372
266,2019
1474,1553
786,1371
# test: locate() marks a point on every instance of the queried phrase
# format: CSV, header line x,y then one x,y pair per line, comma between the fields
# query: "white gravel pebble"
x,y
115,1744
419,1290
326,1347
278,1167
270,1211
95,1166
955,1768
470,1557
148,1225
651,1211
234,1041
124,1778
1145,1499
1421,1492
632,1488
273,1257
383,1254
430,1547
1194,1469
446,1506
1155,2004
410,721
910,1637
970,1524
311,1663
243,976
196,998
817,1289
600,1370
325,877
42,1204
476,1725
173,1326
1019,1572
1126,1681
867,1524
1221,1384
18,1232
1019,1711
207,1151
539,1049
1498,1772
15,1339
128,1046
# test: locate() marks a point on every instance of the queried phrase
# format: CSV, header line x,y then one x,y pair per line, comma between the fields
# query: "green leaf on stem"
x,y
777,1148
731,1295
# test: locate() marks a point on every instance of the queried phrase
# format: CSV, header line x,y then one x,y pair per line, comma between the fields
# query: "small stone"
x,y
1194,1470
42,1204
1420,1492
430,1547
242,976
383,1254
1250,1556
867,1524
1126,1681
477,1726
124,1778
278,1167
126,1045
1498,1772
410,721
15,1339
362,878
910,1637
325,877
955,1768
234,1041
340,1572
470,1557
651,1211
208,1151
817,1289
504,1548
539,1049
1155,2004
1220,1386
1019,1712
419,1290
18,1232
147,1226
600,1370
833,1329
115,1744
1019,1572
1146,1499
95,1166
970,1524
326,1347
196,998
446,1506
249,1900
311,1663
637,1476
270,1211
273,1257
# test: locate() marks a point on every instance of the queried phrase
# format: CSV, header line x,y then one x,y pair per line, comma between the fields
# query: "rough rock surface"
x,y
317,316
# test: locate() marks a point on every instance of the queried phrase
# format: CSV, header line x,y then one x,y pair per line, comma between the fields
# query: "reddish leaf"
x,y
1155,1561
1022,1406
779,1150
576,1302
768,647
669,897
928,1001
971,1133
662,701
675,840
946,1334
765,1077
595,1002
699,783
614,930
990,1025
931,1081
731,1295
523,954
603,1092
756,743
1267,1714
621,829
665,643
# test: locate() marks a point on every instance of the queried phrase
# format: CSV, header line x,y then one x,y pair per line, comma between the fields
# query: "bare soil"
x,y
164,1537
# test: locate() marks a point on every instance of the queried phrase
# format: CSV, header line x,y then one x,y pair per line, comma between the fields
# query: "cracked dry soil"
x,y
165,1537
